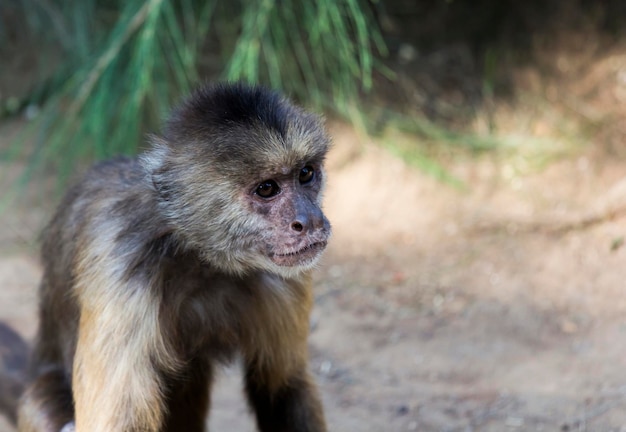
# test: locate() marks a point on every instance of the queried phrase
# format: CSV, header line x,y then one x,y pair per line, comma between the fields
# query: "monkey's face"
x,y
240,223
295,230
257,209
239,175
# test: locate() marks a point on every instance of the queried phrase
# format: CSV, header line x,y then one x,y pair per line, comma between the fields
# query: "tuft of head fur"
x,y
247,124
216,146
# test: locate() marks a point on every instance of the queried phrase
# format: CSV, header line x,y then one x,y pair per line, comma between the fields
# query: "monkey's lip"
x,y
299,256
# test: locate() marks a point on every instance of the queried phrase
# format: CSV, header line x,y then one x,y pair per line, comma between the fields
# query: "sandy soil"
x,y
494,307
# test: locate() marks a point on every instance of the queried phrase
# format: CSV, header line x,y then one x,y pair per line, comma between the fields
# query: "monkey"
x,y
161,267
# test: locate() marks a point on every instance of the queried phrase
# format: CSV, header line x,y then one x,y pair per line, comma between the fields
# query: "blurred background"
x,y
477,186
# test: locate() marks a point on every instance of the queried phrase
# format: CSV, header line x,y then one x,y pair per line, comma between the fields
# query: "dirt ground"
x,y
499,306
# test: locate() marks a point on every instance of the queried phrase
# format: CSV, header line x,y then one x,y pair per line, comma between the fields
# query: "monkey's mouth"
x,y
300,256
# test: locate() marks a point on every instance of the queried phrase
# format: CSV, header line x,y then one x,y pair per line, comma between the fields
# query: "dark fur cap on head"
x,y
222,106
242,118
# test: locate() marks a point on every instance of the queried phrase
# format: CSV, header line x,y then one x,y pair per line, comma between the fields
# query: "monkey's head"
x,y
238,174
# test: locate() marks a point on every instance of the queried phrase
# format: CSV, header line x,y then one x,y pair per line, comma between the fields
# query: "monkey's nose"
x,y
304,223
307,218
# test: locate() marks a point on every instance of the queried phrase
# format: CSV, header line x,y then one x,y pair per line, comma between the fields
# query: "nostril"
x,y
297,226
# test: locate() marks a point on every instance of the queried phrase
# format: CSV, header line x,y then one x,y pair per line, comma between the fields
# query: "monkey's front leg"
x,y
294,406
116,381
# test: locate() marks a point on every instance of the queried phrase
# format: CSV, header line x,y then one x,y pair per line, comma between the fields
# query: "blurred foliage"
x,y
123,64
112,68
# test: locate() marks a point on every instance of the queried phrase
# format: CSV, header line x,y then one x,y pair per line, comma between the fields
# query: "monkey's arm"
x,y
278,384
120,351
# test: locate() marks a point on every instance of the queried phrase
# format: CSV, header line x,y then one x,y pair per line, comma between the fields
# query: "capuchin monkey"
x,y
158,268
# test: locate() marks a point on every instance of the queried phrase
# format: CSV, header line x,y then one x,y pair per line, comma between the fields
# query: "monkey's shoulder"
x,y
103,182
110,189
112,203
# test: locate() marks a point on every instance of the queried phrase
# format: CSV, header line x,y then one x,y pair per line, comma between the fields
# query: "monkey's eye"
x,y
306,174
267,189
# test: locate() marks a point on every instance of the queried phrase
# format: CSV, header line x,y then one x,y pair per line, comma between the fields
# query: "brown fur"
x,y
157,268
